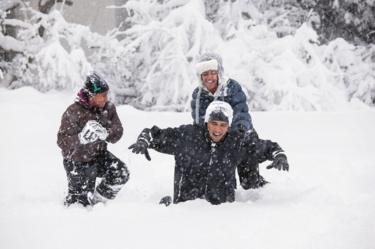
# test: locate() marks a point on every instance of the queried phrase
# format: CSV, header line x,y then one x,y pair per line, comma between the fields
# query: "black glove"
x,y
166,200
280,162
142,144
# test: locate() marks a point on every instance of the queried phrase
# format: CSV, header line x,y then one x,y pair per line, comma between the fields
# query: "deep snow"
x,y
326,201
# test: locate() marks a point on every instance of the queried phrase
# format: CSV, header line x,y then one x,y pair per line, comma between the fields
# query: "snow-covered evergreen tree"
x,y
281,64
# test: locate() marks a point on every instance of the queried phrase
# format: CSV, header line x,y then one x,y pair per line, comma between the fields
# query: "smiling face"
x,y
217,130
99,100
210,80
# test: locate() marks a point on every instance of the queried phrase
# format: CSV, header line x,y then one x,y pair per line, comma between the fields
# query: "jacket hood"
x,y
83,97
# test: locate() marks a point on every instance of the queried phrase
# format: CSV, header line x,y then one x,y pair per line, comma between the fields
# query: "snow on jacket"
x,y
230,92
72,122
204,169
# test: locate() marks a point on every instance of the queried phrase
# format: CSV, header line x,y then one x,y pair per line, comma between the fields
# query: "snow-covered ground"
x,y
326,201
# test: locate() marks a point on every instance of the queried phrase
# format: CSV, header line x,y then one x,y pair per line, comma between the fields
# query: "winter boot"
x,y
95,198
76,199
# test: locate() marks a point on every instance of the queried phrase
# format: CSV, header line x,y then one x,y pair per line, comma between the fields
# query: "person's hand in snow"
x,y
280,162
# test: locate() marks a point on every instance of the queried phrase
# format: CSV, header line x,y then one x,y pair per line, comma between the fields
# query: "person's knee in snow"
x,y
87,126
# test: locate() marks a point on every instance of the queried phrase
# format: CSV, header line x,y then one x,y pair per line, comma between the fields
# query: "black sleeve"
x,y
165,140
115,130
261,150
266,149
67,136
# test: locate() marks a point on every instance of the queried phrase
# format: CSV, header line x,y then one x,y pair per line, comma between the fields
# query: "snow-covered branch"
x,y
10,43
150,65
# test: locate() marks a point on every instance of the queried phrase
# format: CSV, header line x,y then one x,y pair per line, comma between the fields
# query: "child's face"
x,y
99,100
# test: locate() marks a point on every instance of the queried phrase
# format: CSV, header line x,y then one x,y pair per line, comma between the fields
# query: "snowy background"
x,y
316,99
327,199
149,58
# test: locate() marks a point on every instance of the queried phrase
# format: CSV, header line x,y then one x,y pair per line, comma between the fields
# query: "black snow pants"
x,y
82,178
248,171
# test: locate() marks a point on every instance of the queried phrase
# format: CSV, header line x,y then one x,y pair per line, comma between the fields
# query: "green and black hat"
x,y
95,84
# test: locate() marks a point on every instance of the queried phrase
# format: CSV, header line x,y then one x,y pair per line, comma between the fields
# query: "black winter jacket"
x,y
205,169
232,93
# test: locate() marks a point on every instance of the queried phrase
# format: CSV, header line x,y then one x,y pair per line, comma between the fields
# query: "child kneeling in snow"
x,y
86,127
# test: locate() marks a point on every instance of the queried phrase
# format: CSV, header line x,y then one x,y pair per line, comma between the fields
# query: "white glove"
x,y
91,132
87,135
101,132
